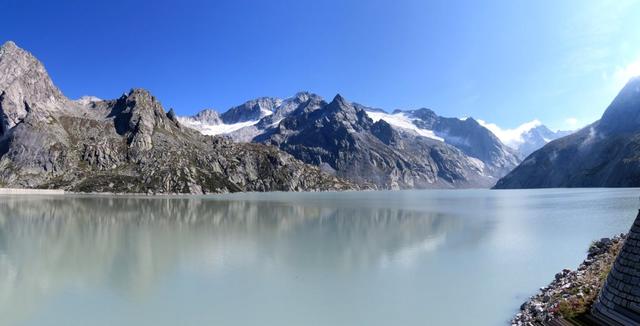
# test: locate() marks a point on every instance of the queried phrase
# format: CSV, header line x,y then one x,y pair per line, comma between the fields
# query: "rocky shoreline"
x,y
572,293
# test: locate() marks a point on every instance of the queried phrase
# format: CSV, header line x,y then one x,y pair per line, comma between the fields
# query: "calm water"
x,y
362,258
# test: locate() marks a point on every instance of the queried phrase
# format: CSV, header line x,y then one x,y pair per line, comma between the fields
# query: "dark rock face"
x,y
623,115
126,145
251,110
340,137
604,154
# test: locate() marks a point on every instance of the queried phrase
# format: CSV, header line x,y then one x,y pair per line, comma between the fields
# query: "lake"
x,y
434,257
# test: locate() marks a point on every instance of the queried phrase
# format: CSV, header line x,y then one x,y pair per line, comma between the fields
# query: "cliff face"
x,y
125,145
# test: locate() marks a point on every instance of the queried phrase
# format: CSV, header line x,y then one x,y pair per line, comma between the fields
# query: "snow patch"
x,y
85,100
213,129
264,113
400,120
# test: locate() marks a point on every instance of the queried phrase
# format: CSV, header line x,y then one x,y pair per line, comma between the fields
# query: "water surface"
x,y
359,258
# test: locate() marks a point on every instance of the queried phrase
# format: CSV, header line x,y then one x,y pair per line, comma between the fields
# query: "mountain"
x,y
342,138
130,144
526,138
603,154
535,138
467,135
406,149
244,122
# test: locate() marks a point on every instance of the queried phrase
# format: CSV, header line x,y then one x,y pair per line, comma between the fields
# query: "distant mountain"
x,y
467,135
342,138
129,144
411,138
244,122
603,154
536,138
414,146
526,138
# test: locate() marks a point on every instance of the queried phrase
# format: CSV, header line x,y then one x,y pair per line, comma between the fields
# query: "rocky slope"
x,y
572,293
604,154
125,145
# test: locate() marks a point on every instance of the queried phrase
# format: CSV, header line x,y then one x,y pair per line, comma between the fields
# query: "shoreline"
x,y
28,191
572,292
32,191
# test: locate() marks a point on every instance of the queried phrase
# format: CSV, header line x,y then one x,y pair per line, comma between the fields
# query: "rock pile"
x,y
572,292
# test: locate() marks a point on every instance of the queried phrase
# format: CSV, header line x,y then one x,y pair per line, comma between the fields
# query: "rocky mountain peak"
x,y
385,132
8,46
251,110
172,115
303,96
208,116
138,114
24,85
340,100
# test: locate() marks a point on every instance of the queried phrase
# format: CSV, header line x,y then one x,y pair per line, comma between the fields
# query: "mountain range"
x,y
526,138
130,144
603,154
399,150
301,143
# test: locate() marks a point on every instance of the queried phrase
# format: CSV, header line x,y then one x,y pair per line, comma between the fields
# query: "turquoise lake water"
x,y
436,257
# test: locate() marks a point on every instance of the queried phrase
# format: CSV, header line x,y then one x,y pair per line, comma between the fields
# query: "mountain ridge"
x,y
130,144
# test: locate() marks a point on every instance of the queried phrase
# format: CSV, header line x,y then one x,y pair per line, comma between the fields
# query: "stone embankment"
x,y
18,191
572,292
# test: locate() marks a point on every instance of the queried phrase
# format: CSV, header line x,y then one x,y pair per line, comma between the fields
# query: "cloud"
x,y
623,74
511,137
571,123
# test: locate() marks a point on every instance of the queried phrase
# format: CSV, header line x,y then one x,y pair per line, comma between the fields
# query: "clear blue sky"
x,y
505,62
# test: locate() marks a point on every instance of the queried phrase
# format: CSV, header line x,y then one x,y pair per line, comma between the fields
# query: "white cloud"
x,y
571,123
511,137
623,74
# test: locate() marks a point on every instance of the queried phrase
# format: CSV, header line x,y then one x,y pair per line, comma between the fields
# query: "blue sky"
x,y
506,62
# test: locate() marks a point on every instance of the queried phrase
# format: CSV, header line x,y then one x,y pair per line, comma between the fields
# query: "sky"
x,y
505,62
